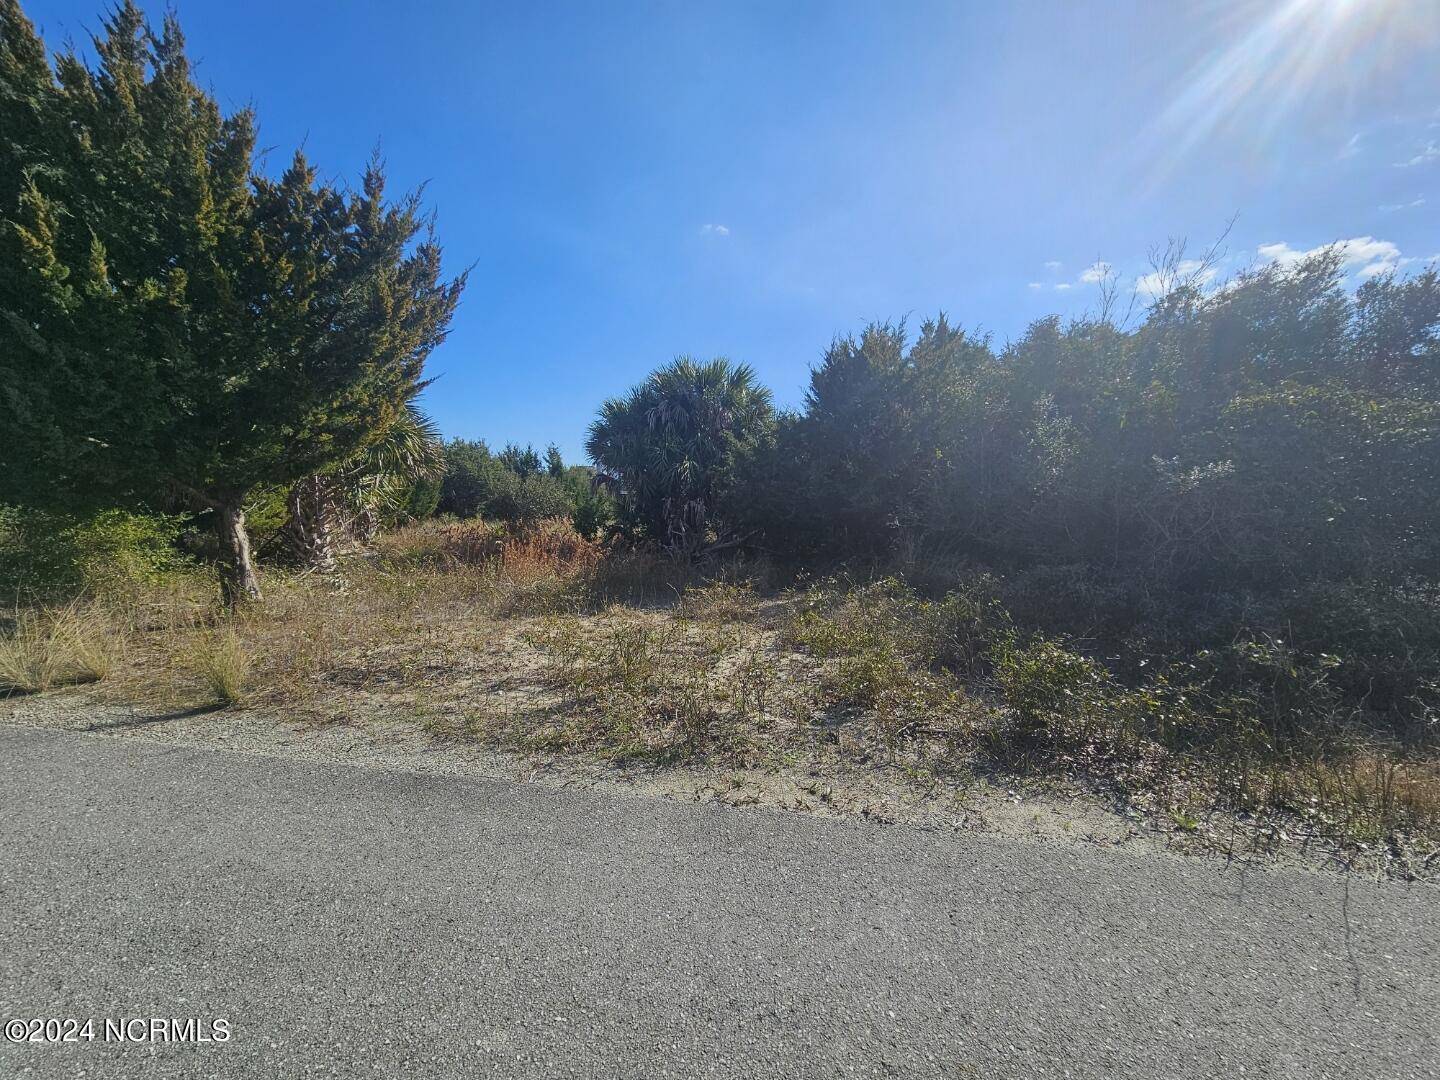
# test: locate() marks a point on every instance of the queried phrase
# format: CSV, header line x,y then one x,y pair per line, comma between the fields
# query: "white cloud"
x,y
714,230
1361,258
1364,255
1413,204
1351,148
1430,152
1152,285
1054,266
1281,253
1185,272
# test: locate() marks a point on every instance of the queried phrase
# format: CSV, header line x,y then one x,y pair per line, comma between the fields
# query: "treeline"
x,y
1258,462
1248,476
1276,431
517,486
1271,432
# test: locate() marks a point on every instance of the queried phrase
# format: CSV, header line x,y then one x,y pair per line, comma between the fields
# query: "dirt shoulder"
x,y
1051,813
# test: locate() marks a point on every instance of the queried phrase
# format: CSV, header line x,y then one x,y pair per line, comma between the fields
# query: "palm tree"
x,y
672,444
350,499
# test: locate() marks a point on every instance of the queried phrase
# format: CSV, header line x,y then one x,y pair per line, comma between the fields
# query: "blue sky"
x,y
632,182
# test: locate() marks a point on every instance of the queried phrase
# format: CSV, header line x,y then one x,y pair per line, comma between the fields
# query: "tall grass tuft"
x,y
222,662
56,647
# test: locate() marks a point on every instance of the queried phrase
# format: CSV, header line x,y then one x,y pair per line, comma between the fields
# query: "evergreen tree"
x,y
25,83
470,470
554,463
523,461
175,330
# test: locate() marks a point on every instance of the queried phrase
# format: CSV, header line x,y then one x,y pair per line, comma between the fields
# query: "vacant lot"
x,y
834,696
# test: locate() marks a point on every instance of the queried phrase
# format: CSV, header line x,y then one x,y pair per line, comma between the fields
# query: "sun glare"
x,y
1281,57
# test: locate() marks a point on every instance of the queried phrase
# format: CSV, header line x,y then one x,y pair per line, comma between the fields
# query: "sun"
x,y
1281,56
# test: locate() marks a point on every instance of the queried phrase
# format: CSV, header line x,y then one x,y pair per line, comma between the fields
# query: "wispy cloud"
x,y
1093,274
1413,204
1351,148
1428,153
714,230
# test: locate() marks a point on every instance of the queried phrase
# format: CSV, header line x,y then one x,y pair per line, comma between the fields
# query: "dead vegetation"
x,y
547,644
54,647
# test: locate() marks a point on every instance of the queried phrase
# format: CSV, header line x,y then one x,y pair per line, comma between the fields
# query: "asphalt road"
x,y
359,923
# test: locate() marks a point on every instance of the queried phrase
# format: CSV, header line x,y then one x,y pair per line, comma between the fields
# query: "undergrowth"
x,y
549,643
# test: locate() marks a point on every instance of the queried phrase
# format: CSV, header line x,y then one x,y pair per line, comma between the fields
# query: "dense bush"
x,y
593,512
516,487
45,555
469,472
421,499
677,448
1255,463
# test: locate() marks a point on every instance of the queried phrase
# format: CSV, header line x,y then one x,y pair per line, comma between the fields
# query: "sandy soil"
x,y
882,795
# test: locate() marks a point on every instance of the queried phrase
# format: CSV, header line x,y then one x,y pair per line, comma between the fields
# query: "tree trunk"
x,y
367,525
312,525
238,581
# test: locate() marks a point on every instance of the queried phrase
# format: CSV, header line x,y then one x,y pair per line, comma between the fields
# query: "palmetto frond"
x,y
668,442
410,449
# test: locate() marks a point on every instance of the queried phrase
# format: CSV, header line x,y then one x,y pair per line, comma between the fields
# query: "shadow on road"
x,y
135,720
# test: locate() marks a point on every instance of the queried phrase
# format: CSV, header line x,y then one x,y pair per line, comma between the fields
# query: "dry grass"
x,y
546,643
658,687
444,544
720,601
57,647
1373,799
221,662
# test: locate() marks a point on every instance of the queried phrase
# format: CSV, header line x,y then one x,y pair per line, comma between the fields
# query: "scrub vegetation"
x,y
1188,559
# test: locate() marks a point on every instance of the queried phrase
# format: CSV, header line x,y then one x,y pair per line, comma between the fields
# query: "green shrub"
x,y
526,500
1078,601
509,486
871,677
1055,696
1265,687
421,499
952,634
965,624
884,641
594,511
1385,639
46,555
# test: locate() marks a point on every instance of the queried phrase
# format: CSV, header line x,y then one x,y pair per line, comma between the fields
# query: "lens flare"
x,y
1281,58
